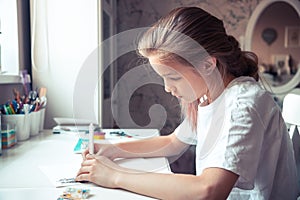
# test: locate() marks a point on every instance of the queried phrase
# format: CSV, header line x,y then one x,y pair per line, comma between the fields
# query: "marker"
x,y
91,139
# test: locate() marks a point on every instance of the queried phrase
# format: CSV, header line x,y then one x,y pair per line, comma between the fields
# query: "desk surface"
x,y
22,177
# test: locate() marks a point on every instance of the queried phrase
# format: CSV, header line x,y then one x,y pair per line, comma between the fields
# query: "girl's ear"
x,y
210,64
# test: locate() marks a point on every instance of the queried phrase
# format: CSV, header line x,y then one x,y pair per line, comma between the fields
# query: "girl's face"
x,y
181,81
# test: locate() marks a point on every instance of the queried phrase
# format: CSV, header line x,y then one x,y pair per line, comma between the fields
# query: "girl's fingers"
x,y
84,170
89,157
84,154
82,177
88,162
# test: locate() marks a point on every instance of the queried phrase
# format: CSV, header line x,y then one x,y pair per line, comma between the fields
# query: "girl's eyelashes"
x,y
174,78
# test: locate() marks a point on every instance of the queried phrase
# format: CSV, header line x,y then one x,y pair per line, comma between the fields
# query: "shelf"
x,y
10,79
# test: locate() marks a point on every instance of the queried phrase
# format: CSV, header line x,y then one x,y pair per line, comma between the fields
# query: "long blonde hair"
x,y
167,39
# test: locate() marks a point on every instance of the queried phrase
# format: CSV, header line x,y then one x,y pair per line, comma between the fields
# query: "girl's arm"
x,y
153,147
213,183
162,146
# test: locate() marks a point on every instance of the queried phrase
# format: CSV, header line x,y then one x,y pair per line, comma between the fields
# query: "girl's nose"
x,y
169,89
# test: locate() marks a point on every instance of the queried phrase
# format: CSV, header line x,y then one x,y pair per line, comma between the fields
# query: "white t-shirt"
x,y
243,131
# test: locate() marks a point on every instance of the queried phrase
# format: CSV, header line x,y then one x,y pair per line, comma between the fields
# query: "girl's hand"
x,y
110,151
99,170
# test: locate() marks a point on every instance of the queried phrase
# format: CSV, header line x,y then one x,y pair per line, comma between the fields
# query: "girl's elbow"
x,y
178,147
207,192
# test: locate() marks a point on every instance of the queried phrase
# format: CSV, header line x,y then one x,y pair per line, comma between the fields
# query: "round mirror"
x,y
273,33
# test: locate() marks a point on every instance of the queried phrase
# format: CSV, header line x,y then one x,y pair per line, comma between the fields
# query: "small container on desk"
x,y
8,135
99,134
21,122
35,123
42,118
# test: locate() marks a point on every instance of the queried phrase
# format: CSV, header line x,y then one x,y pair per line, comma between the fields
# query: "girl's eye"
x,y
175,78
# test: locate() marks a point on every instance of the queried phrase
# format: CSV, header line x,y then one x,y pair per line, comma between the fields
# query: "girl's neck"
x,y
211,95
228,79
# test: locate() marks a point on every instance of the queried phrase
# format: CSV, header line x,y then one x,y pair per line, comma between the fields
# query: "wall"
x,y
142,13
7,91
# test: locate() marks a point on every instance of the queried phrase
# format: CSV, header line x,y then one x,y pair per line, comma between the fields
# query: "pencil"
x,y
91,139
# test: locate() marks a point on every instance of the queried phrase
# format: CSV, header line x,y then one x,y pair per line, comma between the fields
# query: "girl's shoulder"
x,y
246,89
245,93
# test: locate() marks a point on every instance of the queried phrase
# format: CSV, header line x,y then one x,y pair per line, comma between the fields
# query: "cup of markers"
x,y
25,114
21,122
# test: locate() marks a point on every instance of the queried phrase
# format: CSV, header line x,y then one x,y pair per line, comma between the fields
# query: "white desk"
x,y
21,176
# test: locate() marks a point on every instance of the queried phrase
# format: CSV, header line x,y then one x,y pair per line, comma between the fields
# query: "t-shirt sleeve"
x,y
239,147
244,144
185,133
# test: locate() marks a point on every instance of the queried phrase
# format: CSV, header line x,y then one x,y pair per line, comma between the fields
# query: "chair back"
x,y
291,116
291,109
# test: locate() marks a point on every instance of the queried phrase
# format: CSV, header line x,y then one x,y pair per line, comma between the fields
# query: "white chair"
x,y
291,115
291,112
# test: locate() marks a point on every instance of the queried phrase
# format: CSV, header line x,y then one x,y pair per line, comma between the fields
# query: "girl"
x,y
243,147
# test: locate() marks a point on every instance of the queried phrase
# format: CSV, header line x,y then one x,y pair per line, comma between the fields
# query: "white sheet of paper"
x,y
57,172
62,171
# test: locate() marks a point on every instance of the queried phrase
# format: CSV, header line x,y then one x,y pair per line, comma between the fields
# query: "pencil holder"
x,y
42,118
21,122
34,123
